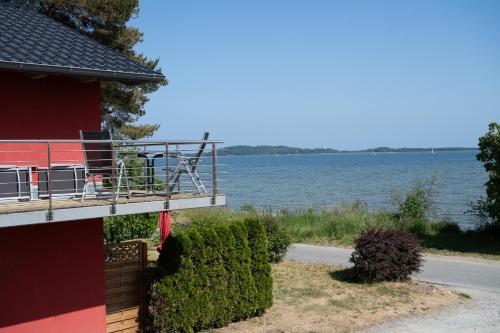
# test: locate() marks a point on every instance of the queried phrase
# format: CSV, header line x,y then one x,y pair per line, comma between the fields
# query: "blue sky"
x,y
341,74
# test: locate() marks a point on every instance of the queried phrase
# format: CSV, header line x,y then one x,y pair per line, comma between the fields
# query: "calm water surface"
x,y
297,181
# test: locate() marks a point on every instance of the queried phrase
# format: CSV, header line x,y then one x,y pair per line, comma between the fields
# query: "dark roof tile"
x,y
35,42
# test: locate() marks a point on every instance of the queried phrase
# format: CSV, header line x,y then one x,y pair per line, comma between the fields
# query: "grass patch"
x,y
464,295
348,303
311,298
296,294
341,226
387,290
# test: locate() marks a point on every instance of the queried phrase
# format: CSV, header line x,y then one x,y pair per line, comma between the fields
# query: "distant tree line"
x,y
285,150
272,150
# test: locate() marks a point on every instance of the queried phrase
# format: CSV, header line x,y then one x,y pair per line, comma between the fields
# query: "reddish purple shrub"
x,y
385,255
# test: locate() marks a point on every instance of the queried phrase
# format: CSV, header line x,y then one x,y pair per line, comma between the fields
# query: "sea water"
x,y
330,180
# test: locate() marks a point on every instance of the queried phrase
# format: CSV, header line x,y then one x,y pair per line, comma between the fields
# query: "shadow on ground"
x,y
344,275
484,240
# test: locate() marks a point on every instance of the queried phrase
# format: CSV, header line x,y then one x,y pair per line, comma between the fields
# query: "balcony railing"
x,y
52,175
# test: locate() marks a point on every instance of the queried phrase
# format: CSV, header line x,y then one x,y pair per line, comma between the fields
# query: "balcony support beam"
x,y
80,213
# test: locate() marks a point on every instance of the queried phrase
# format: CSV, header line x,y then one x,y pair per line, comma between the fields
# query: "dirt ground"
x,y
319,298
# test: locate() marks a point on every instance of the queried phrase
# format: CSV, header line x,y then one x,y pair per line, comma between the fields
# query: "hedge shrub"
x,y
385,255
261,270
209,276
242,306
278,237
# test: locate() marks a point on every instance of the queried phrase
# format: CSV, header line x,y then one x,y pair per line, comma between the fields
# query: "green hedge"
x,y
126,227
209,276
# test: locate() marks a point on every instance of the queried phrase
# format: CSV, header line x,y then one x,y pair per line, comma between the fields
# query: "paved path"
x,y
461,272
476,277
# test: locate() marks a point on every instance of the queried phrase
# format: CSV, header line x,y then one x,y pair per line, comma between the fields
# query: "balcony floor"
x,y
36,211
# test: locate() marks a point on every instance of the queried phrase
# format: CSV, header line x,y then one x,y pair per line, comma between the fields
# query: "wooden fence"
x,y
124,268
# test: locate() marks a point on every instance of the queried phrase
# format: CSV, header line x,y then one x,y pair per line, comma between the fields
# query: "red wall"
x,y
52,278
51,275
47,108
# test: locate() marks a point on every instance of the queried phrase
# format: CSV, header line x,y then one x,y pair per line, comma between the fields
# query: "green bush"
x,y
261,270
416,203
177,289
278,237
236,260
217,308
385,255
243,305
210,275
127,227
489,154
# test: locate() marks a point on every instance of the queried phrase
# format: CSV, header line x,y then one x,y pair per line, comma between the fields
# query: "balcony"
x,y
60,180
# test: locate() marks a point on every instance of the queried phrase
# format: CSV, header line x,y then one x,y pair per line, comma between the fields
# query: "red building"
x,y
51,247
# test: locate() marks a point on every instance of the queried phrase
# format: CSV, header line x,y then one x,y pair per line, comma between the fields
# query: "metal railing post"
x,y
146,169
214,173
167,185
113,179
178,180
50,215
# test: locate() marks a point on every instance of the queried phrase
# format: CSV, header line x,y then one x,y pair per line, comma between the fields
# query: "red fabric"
x,y
165,225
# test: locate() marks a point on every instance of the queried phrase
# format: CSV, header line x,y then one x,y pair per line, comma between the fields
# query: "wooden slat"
x,y
127,262
121,288
118,307
123,279
124,298
129,313
118,275
117,288
122,325
130,330
133,267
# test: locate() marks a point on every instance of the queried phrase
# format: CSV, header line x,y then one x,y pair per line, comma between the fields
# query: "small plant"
x,y
416,203
248,208
279,240
385,255
127,227
464,295
480,210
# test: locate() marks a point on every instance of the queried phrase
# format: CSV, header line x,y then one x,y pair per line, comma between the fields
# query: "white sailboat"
x,y
432,150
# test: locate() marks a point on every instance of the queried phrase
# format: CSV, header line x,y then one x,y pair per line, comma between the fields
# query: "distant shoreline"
x,y
285,150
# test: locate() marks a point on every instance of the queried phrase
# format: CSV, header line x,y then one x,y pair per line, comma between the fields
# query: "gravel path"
x,y
476,277
481,315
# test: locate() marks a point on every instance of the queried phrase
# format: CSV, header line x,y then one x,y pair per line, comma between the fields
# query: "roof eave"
x,y
105,75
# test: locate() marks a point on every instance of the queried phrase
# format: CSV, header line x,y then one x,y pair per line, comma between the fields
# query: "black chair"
x,y
15,182
101,160
66,180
